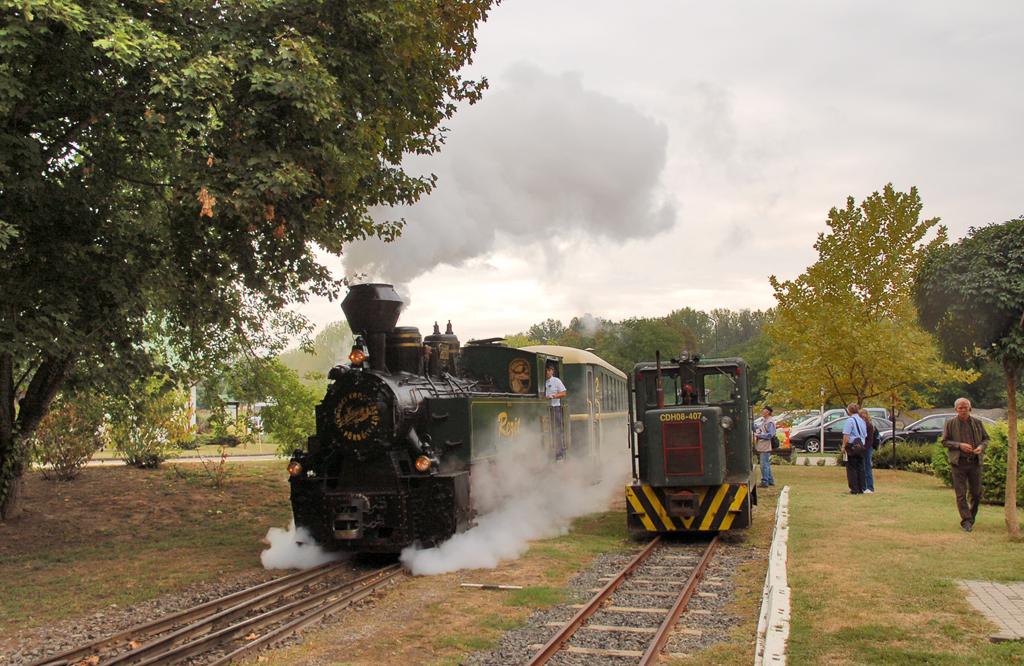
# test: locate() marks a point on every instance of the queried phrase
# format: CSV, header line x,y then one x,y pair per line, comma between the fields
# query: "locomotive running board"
x,y
712,508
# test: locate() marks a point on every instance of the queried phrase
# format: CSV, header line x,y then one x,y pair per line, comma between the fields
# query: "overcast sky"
x,y
633,158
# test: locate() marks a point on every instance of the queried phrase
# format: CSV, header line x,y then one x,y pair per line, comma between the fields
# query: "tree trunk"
x,y
15,428
11,476
1012,526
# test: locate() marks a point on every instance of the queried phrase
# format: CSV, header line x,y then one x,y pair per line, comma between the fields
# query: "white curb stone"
x,y
773,626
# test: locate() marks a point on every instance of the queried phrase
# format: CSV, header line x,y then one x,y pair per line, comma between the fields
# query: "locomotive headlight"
x,y
726,423
295,468
638,427
423,463
359,353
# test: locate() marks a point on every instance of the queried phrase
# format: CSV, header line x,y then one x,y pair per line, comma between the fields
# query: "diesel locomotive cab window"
x,y
678,390
719,387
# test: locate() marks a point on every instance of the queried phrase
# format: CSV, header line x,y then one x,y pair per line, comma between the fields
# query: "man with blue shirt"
x,y
763,446
855,435
555,390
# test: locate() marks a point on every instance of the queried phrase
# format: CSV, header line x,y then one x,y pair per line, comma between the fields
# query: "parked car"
x,y
794,422
926,430
809,439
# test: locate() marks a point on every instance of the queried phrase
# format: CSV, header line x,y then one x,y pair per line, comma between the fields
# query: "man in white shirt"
x,y
555,390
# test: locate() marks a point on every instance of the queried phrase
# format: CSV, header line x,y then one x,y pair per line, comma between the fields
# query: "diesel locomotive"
x,y
690,440
411,427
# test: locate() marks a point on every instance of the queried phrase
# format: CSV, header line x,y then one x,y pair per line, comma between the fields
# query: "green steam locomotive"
x,y
411,425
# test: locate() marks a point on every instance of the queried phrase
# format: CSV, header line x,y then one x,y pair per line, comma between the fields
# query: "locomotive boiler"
x,y
404,424
690,437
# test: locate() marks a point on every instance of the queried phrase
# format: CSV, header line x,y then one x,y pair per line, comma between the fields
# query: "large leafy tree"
x,y
176,166
848,326
972,294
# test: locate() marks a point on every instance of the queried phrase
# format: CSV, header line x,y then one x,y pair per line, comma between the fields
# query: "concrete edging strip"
x,y
773,625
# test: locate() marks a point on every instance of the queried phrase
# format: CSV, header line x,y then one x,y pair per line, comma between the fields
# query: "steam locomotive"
x,y
690,439
406,426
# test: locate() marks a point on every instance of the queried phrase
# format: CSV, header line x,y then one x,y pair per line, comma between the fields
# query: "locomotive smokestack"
x,y
372,311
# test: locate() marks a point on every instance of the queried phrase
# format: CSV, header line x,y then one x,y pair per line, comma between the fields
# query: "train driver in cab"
x,y
555,390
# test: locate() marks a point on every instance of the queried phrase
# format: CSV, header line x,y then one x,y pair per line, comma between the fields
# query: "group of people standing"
x,y
964,437
860,439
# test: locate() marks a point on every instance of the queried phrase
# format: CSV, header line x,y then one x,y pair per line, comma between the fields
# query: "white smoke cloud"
x,y
521,499
541,159
294,549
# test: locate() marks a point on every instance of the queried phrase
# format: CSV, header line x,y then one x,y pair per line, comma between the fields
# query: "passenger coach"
x,y
596,396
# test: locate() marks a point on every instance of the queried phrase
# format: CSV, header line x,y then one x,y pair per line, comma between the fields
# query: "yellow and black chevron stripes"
x,y
719,507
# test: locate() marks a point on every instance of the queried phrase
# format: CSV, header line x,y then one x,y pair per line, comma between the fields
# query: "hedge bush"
x,y
993,475
214,439
907,454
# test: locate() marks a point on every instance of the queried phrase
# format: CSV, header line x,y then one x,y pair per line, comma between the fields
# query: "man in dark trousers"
x,y
965,438
555,390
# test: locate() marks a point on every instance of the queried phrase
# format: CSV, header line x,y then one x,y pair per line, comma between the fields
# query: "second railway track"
x,y
235,626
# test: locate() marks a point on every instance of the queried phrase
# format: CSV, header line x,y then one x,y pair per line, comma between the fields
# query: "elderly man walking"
x,y
966,439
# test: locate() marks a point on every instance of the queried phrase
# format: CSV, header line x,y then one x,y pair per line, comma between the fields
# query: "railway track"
x,y
628,603
223,630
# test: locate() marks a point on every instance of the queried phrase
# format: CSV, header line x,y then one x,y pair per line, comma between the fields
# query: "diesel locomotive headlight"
x,y
638,427
726,423
423,463
295,468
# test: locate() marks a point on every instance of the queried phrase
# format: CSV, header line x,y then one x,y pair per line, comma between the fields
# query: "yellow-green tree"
x,y
848,326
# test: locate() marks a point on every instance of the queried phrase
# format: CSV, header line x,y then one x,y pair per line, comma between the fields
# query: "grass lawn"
x,y
122,535
873,577
265,446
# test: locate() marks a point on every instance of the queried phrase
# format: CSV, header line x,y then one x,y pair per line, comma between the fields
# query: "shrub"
x,y
921,468
993,475
229,441
230,432
67,437
940,465
907,454
145,425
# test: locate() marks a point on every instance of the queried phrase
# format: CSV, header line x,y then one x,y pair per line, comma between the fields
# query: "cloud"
x,y
539,160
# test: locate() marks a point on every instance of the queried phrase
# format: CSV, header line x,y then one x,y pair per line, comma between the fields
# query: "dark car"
x,y
809,439
926,430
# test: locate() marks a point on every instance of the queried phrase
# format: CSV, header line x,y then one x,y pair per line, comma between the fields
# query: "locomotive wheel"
x,y
812,446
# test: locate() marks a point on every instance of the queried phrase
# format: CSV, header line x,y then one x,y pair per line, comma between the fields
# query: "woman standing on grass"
x,y
854,436
870,444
